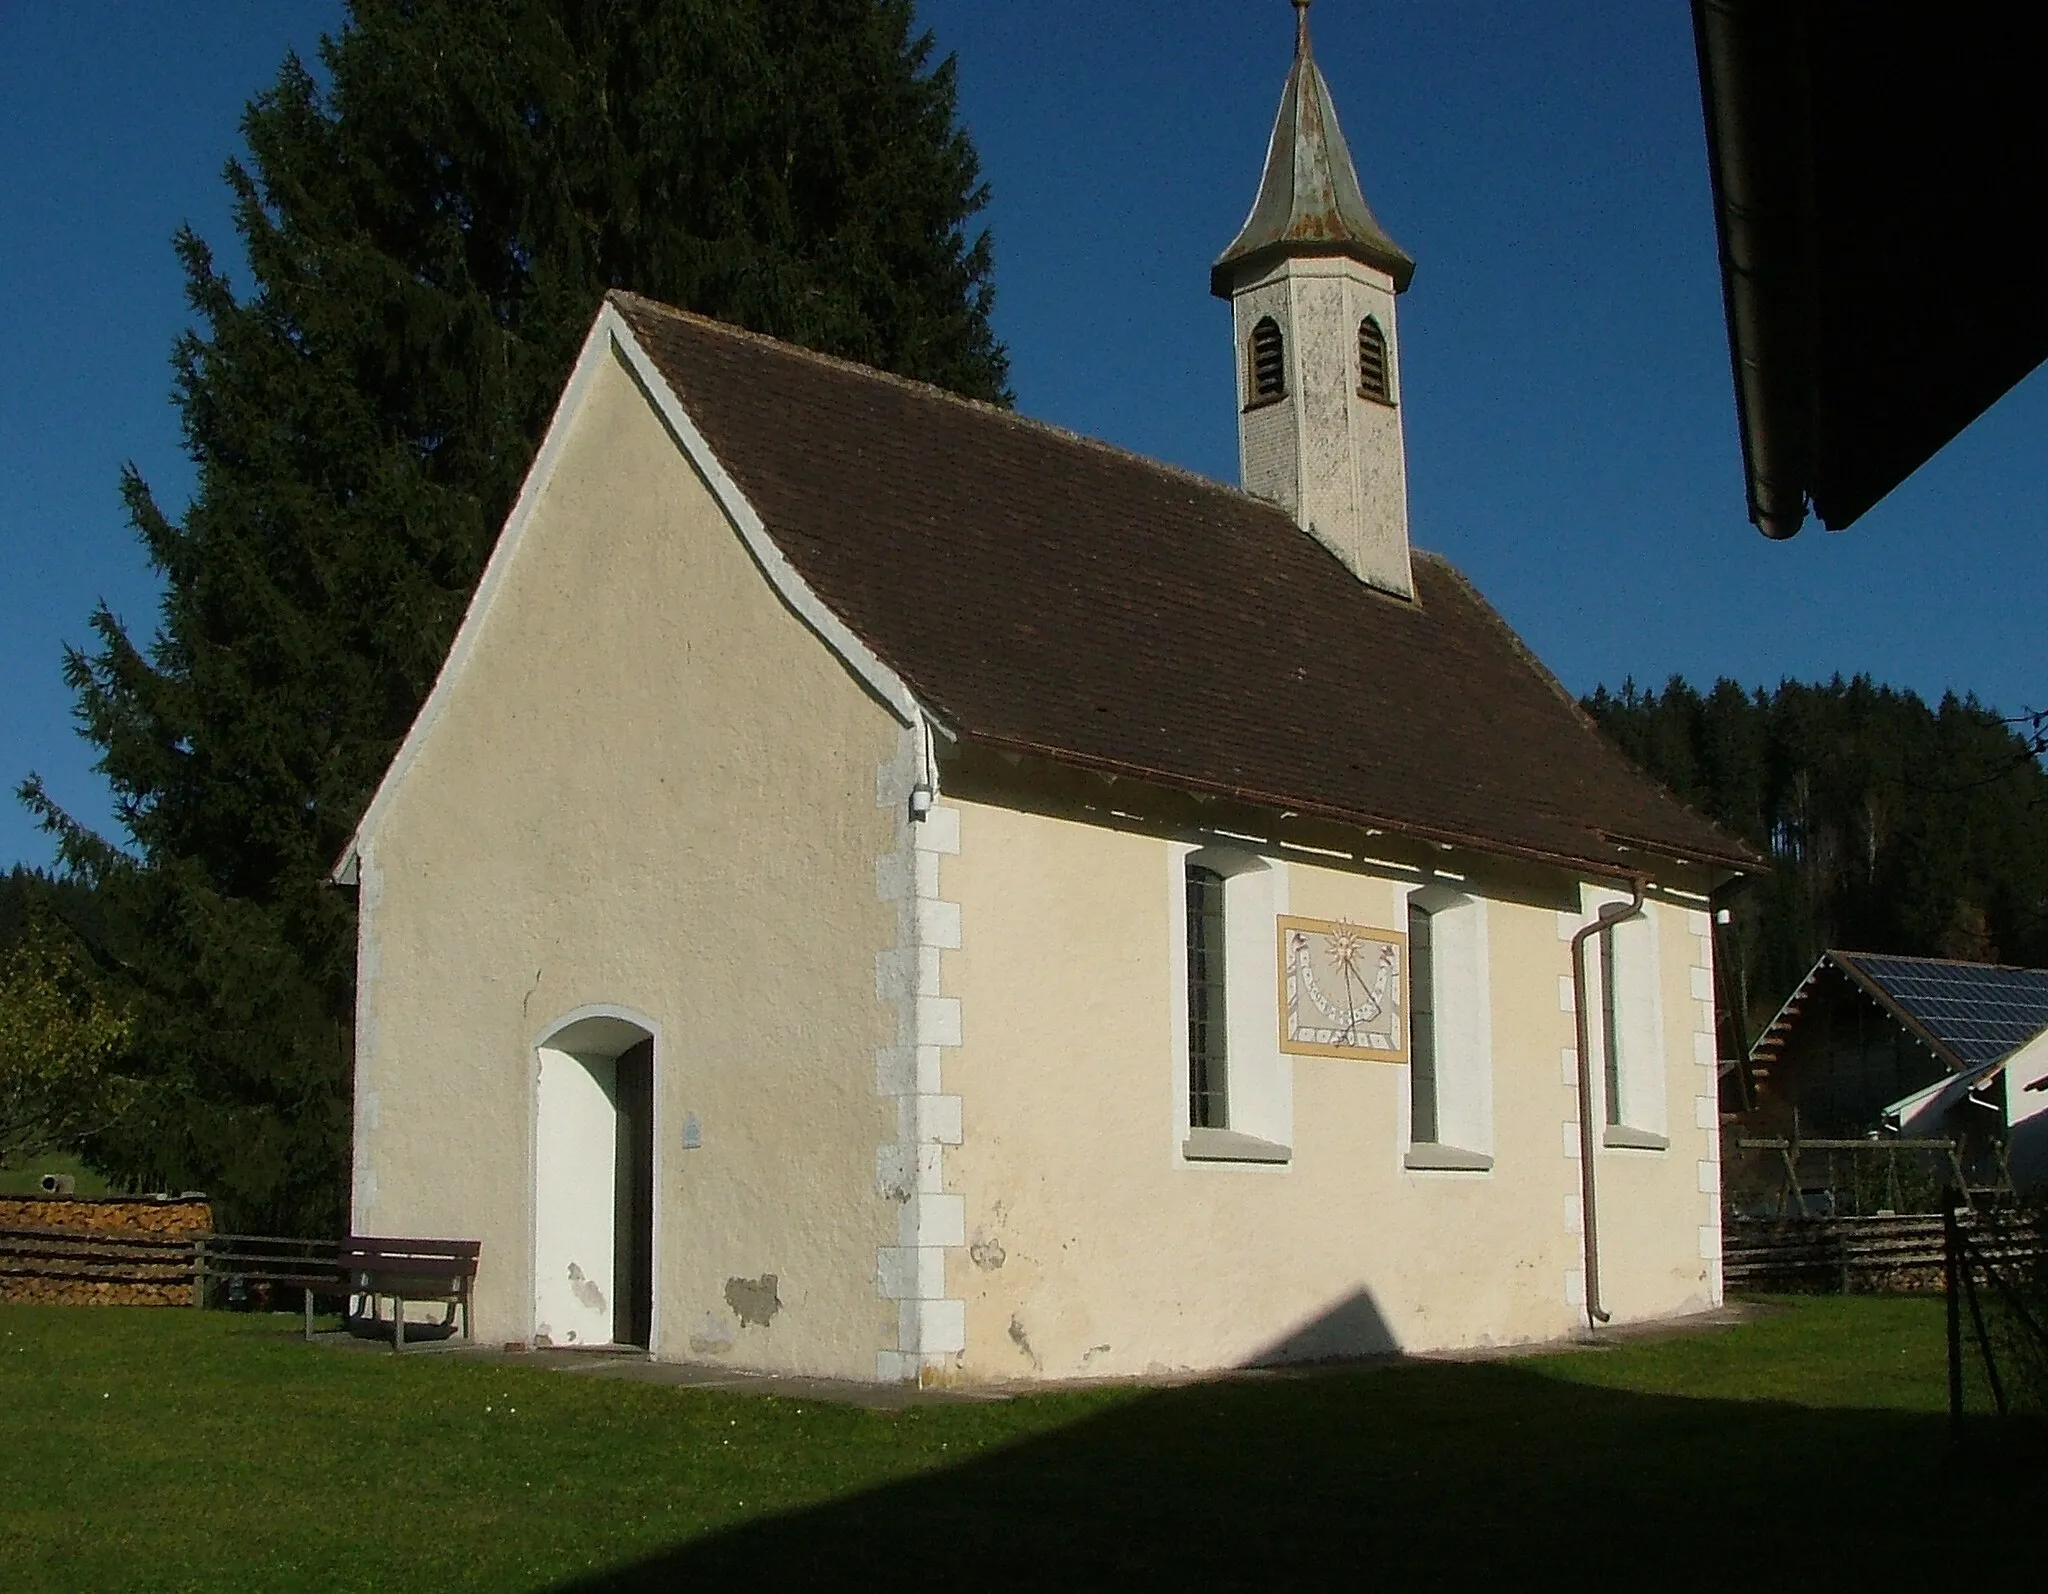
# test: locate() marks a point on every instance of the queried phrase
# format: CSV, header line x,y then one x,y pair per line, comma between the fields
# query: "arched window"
x,y
1373,376
1269,361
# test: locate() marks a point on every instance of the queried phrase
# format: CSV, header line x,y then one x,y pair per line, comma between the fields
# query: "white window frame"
x,y
1628,954
1461,1004
1258,1126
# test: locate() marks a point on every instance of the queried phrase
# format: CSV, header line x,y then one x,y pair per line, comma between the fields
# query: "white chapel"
x,y
887,889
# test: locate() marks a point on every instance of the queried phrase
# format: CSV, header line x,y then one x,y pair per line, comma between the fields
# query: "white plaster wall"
x,y
1268,434
2026,1113
652,787
1334,460
1324,358
1379,448
1093,1248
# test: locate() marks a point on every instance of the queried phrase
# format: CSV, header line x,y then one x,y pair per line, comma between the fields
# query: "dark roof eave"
x,y
1759,164
1577,863
1839,162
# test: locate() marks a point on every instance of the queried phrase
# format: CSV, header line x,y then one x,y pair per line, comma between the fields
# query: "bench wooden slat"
x,y
321,1283
270,1267
387,1247
449,1265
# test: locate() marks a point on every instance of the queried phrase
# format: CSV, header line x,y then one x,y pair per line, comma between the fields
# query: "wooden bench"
x,y
409,1270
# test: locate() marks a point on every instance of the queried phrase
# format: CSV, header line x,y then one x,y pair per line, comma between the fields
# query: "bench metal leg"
x,y
309,1315
397,1323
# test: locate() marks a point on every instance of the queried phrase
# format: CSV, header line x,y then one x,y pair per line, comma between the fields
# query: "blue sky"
x,y
1570,422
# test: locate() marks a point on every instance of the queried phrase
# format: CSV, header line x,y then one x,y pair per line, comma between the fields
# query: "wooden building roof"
x,y
1968,1014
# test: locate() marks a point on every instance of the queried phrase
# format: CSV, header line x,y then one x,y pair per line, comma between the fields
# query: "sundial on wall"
x,y
1343,990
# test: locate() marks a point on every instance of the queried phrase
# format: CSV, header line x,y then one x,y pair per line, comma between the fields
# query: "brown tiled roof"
x,y
1048,594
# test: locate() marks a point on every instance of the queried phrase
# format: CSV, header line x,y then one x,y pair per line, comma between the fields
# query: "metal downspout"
x,y
1610,914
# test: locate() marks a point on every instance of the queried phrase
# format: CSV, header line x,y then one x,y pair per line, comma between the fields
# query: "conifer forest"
x,y
1890,825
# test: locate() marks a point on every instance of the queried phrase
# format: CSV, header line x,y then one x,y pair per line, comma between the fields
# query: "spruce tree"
x,y
430,224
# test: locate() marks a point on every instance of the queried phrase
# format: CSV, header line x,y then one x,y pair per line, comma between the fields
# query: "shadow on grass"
x,y
1419,1476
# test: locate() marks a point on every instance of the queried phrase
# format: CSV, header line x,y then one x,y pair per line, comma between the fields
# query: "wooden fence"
x,y
264,1270
1901,1251
66,1267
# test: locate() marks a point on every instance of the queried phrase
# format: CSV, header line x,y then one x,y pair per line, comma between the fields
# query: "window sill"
x,y
1434,1158
1619,1137
1265,402
1227,1145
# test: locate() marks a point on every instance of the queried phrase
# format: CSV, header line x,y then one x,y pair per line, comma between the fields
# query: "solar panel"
x,y
1980,1012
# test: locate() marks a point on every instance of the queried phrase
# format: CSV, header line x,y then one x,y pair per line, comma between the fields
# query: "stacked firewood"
x,y
115,1251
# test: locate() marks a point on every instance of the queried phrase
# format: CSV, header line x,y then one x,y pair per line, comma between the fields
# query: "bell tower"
x,y
1311,279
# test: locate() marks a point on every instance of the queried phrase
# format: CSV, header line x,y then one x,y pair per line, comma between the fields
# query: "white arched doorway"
x,y
593,1195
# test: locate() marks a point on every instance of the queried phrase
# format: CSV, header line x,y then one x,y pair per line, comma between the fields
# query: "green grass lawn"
x,y
175,1450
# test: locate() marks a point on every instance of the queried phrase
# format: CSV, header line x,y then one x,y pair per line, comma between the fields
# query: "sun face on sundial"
x,y
1343,990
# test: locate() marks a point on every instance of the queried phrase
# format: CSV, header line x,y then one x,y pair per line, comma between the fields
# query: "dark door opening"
x,y
633,1218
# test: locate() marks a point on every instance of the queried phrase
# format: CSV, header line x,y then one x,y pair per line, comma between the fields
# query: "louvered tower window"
x,y
1269,361
1372,363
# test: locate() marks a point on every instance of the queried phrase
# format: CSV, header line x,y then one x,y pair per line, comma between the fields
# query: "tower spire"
x,y
1312,278
1309,201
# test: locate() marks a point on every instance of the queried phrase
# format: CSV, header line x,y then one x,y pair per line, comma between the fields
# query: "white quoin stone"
x,y
1333,458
